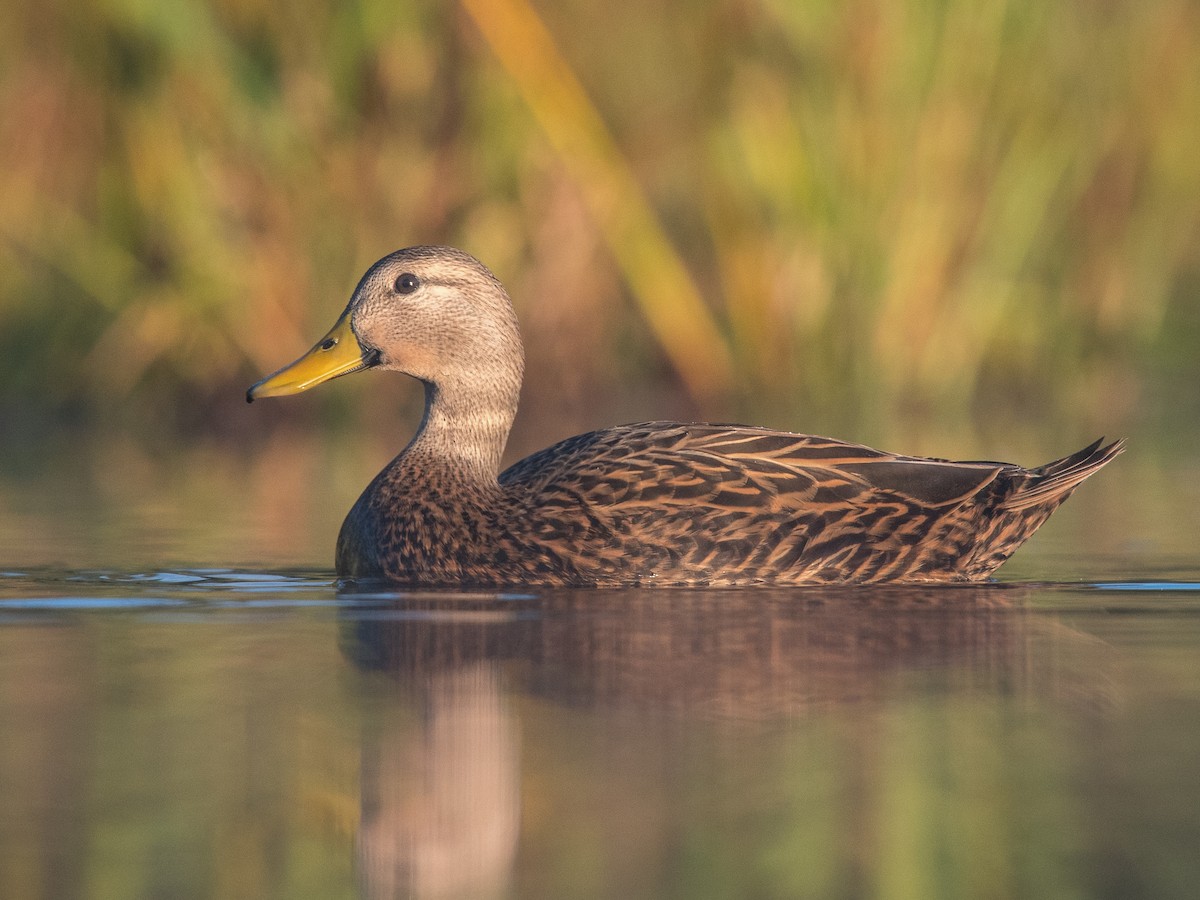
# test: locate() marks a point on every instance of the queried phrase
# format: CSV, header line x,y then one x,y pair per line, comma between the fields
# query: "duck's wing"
x,y
735,505
740,467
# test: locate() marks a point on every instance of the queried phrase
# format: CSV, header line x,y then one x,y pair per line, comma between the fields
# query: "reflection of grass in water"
x,y
886,208
108,504
177,758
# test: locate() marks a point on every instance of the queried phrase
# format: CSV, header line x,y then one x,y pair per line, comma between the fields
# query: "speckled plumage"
x,y
653,503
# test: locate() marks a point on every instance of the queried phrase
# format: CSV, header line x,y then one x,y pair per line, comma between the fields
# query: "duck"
x,y
652,503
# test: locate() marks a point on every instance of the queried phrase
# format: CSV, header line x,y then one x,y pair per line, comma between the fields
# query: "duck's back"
x,y
715,504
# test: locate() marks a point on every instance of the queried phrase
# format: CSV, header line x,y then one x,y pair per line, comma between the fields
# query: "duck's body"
x,y
655,503
665,503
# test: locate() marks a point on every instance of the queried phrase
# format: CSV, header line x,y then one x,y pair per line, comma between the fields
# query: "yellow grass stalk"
x,y
661,285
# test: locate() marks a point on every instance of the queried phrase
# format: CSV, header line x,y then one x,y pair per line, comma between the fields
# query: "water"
x,y
251,730
221,733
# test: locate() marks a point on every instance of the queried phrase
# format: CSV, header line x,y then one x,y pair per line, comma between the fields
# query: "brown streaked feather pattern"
x,y
666,503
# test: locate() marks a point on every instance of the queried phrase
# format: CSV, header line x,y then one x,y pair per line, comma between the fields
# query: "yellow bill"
x,y
338,353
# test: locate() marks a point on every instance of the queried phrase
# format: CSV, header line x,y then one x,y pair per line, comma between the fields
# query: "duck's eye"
x,y
407,283
328,343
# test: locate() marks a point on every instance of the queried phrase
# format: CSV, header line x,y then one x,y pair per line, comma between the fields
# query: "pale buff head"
x,y
439,315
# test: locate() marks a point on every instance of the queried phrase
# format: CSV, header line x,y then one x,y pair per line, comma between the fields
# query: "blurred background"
x,y
960,230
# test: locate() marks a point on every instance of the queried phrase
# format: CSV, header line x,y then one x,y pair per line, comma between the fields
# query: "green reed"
x,y
917,211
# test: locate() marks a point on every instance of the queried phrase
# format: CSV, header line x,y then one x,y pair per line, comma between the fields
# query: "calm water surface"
x,y
217,733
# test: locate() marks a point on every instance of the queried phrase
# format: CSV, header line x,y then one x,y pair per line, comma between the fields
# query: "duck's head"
x,y
434,313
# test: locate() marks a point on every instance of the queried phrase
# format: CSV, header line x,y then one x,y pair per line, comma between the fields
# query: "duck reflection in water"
x,y
442,790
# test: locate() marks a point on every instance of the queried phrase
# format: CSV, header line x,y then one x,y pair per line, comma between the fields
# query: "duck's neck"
x,y
464,428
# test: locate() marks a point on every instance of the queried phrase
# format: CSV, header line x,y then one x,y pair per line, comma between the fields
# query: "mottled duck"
x,y
647,504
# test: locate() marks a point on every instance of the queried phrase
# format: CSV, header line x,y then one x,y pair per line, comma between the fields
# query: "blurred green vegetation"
x,y
822,215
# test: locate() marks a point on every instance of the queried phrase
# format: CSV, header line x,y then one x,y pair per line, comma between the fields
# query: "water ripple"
x,y
59,590
97,590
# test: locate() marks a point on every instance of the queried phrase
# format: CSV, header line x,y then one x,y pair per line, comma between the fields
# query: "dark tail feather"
x,y
1053,482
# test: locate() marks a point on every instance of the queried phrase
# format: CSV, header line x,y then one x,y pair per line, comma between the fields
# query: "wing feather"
x,y
741,467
